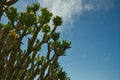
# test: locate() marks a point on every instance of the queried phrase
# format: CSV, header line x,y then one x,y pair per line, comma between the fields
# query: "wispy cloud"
x,y
68,9
99,4
64,8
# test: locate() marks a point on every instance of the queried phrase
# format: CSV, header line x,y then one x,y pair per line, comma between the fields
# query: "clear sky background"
x,y
93,27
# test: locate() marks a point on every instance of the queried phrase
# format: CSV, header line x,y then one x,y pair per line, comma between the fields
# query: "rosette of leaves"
x,y
57,21
46,28
62,47
60,74
27,19
66,44
45,16
34,8
55,36
12,14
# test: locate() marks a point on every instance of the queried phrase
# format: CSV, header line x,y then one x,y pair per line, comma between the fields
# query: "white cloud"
x,y
68,9
100,4
64,8
88,7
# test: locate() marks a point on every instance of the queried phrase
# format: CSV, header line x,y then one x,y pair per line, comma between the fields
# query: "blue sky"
x,y
95,52
93,27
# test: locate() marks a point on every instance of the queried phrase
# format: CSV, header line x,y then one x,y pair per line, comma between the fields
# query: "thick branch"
x,y
5,3
9,2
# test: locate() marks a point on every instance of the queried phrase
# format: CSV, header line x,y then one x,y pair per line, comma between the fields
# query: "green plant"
x,y
17,63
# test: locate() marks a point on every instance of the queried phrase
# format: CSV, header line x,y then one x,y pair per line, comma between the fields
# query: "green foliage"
x,y
55,36
60,74
62,47
33,32
66,45
30,30
46,28
57,21
8,26
34,8
27,19
45,16
12,14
